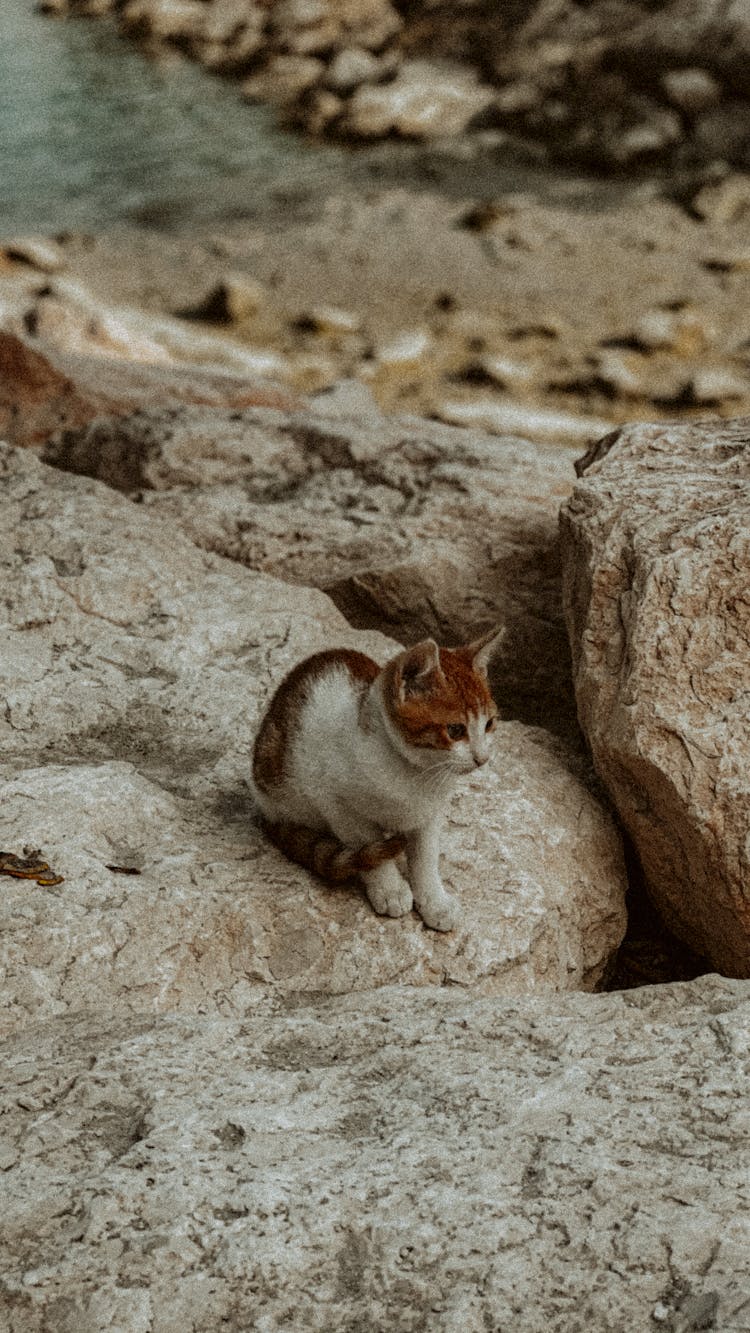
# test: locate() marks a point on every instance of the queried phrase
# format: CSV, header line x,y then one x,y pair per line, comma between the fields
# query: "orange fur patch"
x,y
423,716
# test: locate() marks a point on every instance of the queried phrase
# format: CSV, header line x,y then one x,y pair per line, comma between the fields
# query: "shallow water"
x,y
93,133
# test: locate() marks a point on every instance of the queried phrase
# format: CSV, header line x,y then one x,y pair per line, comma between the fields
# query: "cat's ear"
x,y
419,670
482,649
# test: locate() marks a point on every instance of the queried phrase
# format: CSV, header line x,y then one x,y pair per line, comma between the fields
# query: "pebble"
x,y
424,101
618,374
715,385
692,89
685,333
509,374
350,68
728,261
41,254
233,300
648,139
331,319
725,201
408,349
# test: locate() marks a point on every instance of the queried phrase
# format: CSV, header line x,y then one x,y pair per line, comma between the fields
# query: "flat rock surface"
x,y
134,667
656,542
392,1160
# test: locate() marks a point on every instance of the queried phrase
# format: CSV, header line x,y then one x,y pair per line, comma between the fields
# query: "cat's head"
x,y
439,705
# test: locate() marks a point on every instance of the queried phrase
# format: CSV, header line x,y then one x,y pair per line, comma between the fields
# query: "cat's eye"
x,y
490,724
456,730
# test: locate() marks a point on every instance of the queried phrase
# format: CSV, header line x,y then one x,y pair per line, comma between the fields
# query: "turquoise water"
x,y
91,132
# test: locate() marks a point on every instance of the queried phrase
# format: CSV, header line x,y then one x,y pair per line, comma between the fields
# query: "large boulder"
x,y
656,546
133,669
412,527
394,1160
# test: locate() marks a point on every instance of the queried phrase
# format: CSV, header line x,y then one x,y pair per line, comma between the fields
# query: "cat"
x,y
353,764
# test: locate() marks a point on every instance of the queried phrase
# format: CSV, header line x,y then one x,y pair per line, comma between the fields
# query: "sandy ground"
x,y
629,309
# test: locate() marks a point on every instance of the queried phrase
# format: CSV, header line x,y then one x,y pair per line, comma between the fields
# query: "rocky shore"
x,y
613,85
236,1099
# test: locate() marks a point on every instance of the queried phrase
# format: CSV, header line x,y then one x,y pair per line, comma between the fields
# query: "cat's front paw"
x,y
441,913
392,897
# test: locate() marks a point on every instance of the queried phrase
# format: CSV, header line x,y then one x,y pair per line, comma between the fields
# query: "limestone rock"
x,y
38,252
656,544
692,90
308,27
423,101
396,1160
283,79
133,670
503,418
351,67
412,527
42,394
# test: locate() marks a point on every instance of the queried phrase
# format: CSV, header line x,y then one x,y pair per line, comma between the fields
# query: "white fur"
x,y
350,771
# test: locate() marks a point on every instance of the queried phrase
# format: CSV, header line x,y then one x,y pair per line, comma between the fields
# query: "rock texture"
x,y
44,392
411,527
398,1160
656,545
133,669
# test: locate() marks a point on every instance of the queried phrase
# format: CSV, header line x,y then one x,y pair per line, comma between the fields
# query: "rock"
x,y
163,20
351,67
318,110
717,384
283,79
396,1160
232,33
36,398
68,316
508,373
620,374
647,139
309,27
691,90
687,332
330,319
533,423
235,299
41,395
312,372
346,399
656,539
728,261
134,669
412,527
42,254
423,101
725,201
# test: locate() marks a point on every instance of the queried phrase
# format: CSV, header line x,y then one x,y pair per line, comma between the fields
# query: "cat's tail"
x,y
326,856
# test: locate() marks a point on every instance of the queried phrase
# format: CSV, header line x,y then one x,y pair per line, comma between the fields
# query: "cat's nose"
x,y
480,759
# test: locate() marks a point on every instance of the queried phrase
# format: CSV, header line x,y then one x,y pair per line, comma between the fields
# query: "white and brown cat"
x,y
353,764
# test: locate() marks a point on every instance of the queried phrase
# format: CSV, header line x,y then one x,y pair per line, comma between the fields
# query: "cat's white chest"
x,y
355,767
